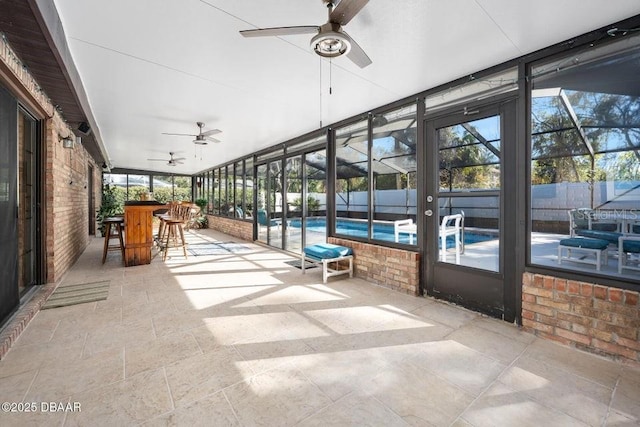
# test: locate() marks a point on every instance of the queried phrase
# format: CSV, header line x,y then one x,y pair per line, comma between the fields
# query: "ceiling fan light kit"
x,y
330,40
331,43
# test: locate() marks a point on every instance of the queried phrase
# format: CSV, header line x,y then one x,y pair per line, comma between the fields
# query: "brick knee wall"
x,y
232,227
591,317
396,269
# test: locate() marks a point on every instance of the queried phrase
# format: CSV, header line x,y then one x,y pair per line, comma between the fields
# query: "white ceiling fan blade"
x,y
280,31
346,10
211,132
178,134
157,160
177,159
357,54
208,138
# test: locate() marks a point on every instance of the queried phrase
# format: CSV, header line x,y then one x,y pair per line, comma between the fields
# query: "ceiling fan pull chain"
x,y
330,75
320,62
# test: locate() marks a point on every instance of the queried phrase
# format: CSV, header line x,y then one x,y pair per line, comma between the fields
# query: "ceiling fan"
x,y
202,138
172,161
330,40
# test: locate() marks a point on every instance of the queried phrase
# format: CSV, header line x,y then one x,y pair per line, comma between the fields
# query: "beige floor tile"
x,y
127,402
168,323
212,410
193,378
80,324
503,328
278,397
419,396
501,406
58,383
458,364
118,336
269,354
13,388
156,353
447,314
355,410
555,388
495,345
340,373
579,363
30,357
32,419
626,399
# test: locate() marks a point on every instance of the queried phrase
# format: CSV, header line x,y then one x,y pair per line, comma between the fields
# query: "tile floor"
x,y
244,339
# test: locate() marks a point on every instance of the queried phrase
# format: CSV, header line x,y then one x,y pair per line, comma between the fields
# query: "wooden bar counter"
x,y
138,229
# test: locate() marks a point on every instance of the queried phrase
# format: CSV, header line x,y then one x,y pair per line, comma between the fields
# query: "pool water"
x,y
380,231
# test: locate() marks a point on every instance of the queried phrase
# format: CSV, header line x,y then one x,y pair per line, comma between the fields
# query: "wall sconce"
x,y
68,142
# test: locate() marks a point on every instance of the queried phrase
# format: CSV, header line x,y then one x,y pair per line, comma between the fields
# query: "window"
x,y
390,156
585,161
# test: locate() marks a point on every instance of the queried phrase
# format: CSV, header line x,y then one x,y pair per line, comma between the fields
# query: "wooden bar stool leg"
x,y
184,244
166,242
107,235
119,226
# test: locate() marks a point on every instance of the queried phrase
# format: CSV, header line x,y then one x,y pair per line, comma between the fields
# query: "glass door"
x,y
465,206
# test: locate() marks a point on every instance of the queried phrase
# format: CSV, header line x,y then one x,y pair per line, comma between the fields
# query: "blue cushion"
x,y
631,246
581,242
610,236
327,251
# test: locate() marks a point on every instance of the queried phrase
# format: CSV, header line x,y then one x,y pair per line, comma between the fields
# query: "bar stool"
x,y
113,229
173,233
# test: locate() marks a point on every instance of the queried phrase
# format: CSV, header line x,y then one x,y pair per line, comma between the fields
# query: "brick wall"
x,y
232,227
396,269
591,317
67,199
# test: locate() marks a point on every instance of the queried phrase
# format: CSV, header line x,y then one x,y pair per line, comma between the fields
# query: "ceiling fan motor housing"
x,y
331,42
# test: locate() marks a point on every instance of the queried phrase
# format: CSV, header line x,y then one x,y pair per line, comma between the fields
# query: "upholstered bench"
x,y
323,254
627,246
583,246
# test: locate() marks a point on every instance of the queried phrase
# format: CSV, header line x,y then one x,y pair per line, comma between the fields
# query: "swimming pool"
x,y
381,231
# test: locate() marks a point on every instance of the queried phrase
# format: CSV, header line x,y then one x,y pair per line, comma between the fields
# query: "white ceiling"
x,y
154,66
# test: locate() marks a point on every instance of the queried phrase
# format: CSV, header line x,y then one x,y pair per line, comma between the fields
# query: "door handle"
x,y
428,212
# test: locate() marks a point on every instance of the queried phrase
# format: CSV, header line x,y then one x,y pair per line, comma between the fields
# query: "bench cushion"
x,y
581,242
609,236
631,246
327,251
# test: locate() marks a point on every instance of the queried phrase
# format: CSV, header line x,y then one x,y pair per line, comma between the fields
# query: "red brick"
x,y
547,311
578,320
555,338
586,290
547,282
583,339
526,314
528,298
601,335
537,291
615,295
553,304
600,292
615,349
632,344
561,285
527,279
538,281
537,326
630,298
573,287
